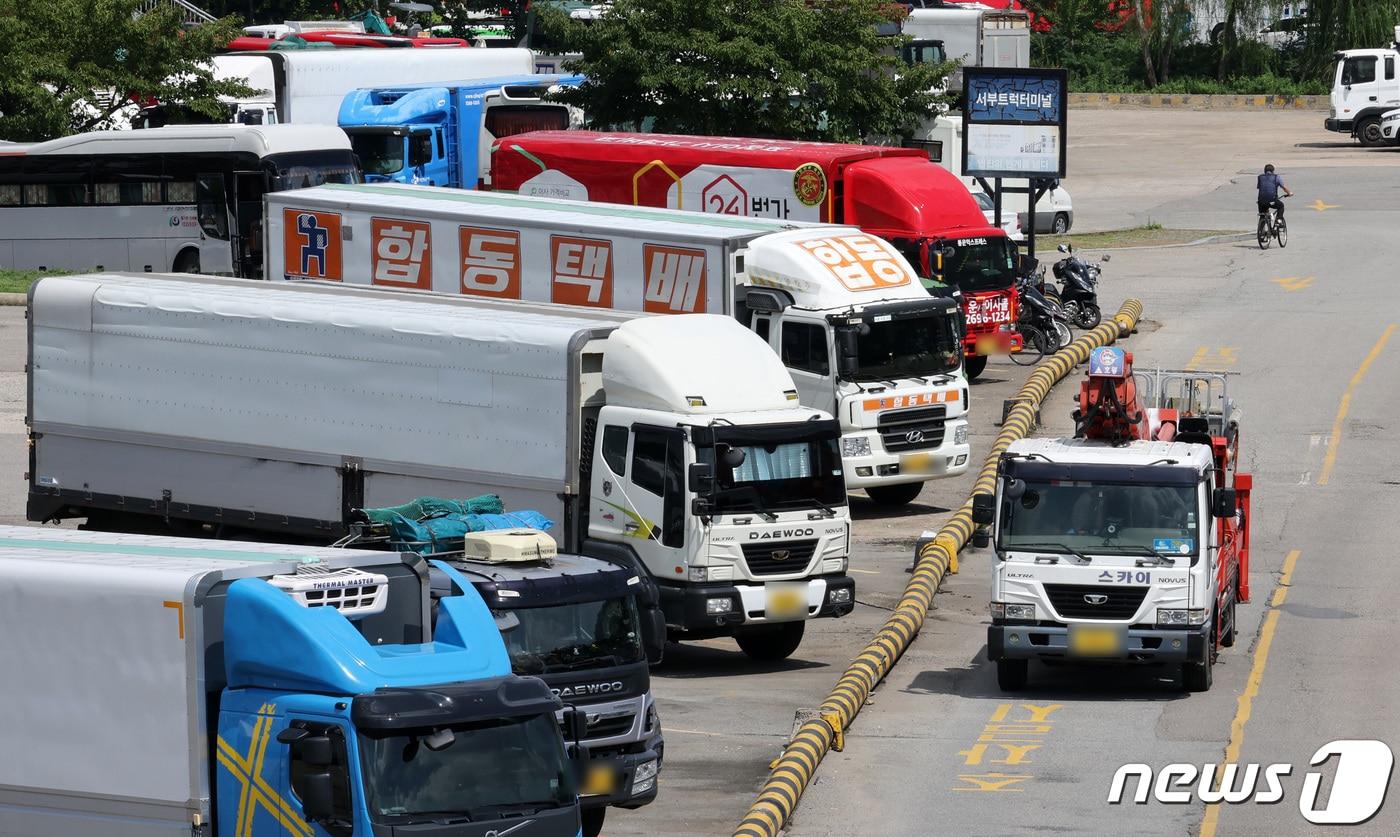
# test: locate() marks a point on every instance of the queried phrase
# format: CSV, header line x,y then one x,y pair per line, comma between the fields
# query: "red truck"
x,y
895,193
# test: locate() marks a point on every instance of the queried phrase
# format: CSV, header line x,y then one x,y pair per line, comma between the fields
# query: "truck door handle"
x,y
630,527
1371,98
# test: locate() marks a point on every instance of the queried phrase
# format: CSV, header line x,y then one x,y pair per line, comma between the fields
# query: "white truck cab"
x,y
1365,86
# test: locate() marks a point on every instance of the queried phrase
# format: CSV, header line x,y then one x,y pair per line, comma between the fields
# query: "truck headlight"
x,y
645,770
960,435
1180,617
718,607
643,786
700,575
1002,610
841,596
855,446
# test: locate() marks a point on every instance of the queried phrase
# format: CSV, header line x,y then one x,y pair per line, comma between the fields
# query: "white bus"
x,y
186,199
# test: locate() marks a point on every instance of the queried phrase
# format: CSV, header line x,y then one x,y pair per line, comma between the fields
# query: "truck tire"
x,y
1197,675
974,365
771,642
593,820
1227,637
1061,224
1368,131
1012,674
186,262
895,495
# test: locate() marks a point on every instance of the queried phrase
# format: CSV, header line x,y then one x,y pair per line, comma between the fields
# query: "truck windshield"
x,y
1098,518
911,347
779,472
488,769
303,169
380,152
572,636
980,264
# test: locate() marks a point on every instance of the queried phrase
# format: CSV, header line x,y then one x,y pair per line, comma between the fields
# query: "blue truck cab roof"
x,y
429,102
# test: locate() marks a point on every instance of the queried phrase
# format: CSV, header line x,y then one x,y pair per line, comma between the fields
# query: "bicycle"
x,y
1272,227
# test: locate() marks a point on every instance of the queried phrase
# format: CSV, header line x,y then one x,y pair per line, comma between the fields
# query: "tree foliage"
x,y
72,65
767,68
513,12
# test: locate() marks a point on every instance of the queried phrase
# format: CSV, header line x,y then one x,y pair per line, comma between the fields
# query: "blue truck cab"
x,y
440,134
182,687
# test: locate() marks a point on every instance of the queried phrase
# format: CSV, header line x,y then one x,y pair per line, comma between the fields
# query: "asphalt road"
x,y
1318,661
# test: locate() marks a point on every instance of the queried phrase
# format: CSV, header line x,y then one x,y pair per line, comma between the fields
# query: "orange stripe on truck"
x,y
920,400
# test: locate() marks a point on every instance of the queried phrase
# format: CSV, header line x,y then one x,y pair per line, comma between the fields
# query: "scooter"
x,y
1079,288
1043,324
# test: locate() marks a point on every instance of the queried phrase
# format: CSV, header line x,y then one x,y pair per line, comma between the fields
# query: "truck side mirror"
x,y
318,797
981,538
700,477
654,634
575,724
315,750
1222,503
847,351
983,508
732,457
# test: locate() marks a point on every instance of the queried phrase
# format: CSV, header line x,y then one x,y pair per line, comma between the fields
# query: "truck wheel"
x,y
771,642
1012,674
1197,676
593,820
895,495
1369,132
187,262
974,365
1061,225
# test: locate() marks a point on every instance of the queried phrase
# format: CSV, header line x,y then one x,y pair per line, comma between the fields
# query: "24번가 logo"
x,y
1361,776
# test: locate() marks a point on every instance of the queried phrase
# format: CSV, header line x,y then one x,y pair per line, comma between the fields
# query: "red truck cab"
x,y
896,193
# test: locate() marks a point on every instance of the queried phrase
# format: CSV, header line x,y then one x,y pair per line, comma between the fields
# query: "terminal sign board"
x,y
1014,122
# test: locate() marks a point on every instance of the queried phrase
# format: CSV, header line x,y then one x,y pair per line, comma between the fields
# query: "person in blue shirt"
x,y
1269,185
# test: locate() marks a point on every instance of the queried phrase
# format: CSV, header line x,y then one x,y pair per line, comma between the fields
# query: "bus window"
x,y
127,181
212,206
179,191
303,169
57,182
9,194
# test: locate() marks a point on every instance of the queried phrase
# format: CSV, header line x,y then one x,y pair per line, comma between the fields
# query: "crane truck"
x,y
173,686
277,409
1128,542
843,309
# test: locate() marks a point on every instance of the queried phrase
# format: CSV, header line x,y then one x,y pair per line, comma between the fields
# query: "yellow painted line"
x,y
1294,283
1330,459
1198,358
1322,207
1245,706
863,572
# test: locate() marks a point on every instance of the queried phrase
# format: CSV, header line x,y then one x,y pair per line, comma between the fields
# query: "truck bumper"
x,y
1338,125
1145,645
687,606
946,460
624,769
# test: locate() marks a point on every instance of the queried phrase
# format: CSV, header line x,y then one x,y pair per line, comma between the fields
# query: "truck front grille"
x,y
781,558
609,727
1072,601
917,429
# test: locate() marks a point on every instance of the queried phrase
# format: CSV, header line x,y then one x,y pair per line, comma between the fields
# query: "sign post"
x,y
1014,126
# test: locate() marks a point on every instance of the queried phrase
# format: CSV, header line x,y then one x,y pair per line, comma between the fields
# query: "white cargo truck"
x,y
672,444
1365,89
971,34
196,688
843,309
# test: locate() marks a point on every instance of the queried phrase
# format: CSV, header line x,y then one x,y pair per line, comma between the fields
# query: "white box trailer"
x,y
309,85
674,444
843,308
134,667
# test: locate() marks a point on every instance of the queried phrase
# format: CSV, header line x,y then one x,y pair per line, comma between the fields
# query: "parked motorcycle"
x,y
1043,324
1078,292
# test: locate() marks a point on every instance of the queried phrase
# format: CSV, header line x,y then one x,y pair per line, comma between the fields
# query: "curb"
x,y
14,299
1199,101
1210,239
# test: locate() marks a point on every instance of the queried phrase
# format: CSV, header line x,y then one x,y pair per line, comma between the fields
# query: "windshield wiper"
x,y
1031,546
1146,551
434,816
760,506
527,807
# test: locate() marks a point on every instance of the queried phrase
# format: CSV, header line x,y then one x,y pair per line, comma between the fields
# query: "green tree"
x,y
515,14
1334,25
73,65
767,68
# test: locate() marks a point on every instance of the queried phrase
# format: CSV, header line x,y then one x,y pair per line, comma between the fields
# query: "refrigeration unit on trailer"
x,y
279,408
894,193
843,308
172,686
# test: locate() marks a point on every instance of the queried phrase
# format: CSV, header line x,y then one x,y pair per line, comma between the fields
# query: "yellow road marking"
x,y
865,572
1214,359
1331,458
1322,207
1294,283
1251,690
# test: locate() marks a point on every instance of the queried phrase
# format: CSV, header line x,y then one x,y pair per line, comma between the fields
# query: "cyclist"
x,y
1269,185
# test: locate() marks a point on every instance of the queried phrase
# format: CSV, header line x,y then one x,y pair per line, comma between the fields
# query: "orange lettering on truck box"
x,y
401,253
581,271
675,280
490,262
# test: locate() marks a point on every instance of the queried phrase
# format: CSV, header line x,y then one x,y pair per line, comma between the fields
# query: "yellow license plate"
x,y
1095,641
990,346
785,602
916,463
599,780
